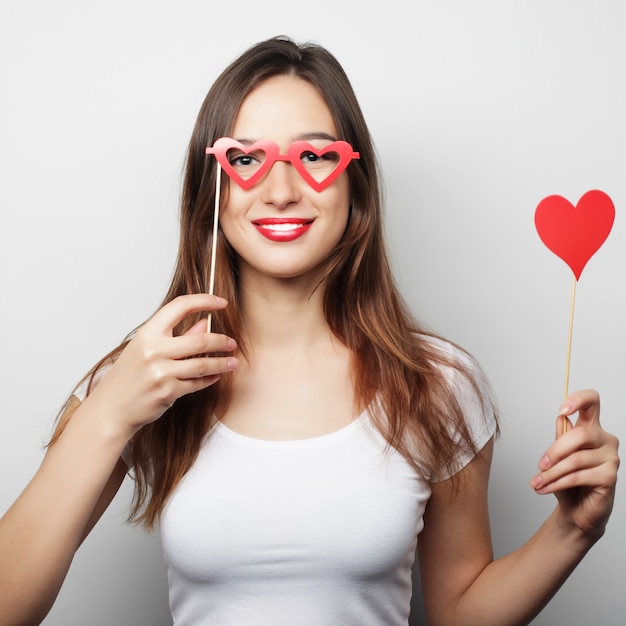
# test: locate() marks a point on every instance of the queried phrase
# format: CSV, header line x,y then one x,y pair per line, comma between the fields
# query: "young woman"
x,y
293,454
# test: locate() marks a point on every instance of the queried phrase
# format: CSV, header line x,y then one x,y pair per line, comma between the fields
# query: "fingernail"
x,y
565,408
536,482
232,363
544,463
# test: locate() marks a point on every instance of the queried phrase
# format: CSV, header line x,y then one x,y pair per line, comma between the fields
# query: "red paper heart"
x,y
341,148
575,233
268,148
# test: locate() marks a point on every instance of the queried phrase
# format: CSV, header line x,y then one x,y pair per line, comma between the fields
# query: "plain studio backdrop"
x,y
478,111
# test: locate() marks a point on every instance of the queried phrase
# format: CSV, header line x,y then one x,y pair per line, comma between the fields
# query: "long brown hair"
x,y
397,368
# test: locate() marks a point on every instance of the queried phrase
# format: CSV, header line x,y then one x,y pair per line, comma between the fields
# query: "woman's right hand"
x,y
156,368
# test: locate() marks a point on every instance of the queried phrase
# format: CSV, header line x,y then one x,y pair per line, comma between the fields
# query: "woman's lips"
x,y
282,229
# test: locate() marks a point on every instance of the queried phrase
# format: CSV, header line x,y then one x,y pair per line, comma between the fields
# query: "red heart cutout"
x,y
224,144
575,233
341,148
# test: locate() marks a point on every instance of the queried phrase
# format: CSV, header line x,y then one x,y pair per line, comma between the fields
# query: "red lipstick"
x,y
282,229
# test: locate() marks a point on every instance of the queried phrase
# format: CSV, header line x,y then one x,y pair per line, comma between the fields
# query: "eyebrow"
x,y
317,135
301,137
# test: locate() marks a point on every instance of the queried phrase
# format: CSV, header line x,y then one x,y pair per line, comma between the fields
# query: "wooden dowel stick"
x,y
569,345
216,212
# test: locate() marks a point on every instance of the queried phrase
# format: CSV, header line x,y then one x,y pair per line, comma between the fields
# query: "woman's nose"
x,y
281,185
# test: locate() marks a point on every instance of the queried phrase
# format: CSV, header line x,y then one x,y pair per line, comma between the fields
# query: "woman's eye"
x,y
310,158
241,160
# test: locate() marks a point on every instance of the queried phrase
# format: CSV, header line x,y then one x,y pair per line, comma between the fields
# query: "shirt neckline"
x,y
318,440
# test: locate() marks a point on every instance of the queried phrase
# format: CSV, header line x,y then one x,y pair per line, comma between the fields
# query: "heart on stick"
x,y
575,233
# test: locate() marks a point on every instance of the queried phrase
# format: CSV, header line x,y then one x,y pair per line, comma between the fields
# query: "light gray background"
x,y
478,109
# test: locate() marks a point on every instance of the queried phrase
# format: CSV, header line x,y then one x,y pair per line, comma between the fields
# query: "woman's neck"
x,y
283,314
296,381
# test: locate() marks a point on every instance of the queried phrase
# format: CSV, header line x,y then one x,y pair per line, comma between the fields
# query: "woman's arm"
x,y
462,583
79,476
82,469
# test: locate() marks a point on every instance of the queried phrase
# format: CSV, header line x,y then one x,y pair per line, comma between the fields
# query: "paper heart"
x,y
575,233
341,148
224,144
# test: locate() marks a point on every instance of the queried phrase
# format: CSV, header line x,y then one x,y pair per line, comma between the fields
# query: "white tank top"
x,y
314,532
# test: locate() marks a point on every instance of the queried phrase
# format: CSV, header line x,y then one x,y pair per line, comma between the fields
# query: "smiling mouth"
x,y
282,229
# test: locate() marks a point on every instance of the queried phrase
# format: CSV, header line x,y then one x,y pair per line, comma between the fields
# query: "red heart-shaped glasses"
x,y
247,164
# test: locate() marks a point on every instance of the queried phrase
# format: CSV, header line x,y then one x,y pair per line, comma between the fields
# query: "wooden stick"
x,y
569,345
216,213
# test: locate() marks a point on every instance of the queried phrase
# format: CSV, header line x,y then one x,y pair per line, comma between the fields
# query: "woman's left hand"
x,y
580,467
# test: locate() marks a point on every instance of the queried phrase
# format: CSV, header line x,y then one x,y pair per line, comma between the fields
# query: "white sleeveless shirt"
x,y
314,532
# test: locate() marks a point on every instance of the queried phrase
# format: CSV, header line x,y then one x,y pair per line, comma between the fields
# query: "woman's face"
x,y
281,227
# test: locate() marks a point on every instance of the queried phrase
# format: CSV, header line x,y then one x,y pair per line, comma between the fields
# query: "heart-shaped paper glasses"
x,y
247,164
